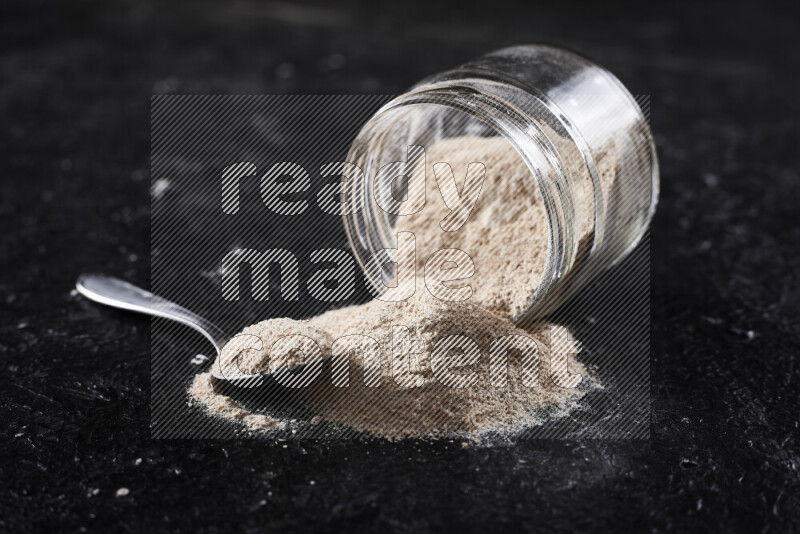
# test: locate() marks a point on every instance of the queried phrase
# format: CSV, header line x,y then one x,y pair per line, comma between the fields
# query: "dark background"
x,y
74,396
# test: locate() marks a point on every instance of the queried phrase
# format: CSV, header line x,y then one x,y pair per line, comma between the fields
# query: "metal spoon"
x,y
123,295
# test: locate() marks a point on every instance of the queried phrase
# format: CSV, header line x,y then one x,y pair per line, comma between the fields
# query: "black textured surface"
x,y
76,82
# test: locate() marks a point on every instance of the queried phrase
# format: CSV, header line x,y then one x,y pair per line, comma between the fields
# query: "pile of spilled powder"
x,y
391,385
471,405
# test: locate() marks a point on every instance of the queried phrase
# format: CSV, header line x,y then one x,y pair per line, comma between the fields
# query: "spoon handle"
x,y
120,294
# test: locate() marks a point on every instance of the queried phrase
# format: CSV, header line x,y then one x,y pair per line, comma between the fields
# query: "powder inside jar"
x,y
506,233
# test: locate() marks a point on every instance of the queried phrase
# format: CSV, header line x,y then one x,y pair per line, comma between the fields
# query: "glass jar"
x,y
567,118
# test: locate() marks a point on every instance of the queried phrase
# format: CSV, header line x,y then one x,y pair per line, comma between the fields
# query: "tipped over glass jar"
x,y
581,137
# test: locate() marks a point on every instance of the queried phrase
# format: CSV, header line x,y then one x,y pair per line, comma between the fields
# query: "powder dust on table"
x,y
506,236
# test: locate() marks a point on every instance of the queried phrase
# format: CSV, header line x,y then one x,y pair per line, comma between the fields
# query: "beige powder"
x,y
394,410
506,236
204,391
272,345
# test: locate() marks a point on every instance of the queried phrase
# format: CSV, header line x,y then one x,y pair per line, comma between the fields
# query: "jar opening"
x,y
507,232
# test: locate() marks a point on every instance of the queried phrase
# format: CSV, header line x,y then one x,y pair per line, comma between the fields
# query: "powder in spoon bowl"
x,y
272,345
